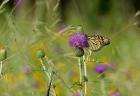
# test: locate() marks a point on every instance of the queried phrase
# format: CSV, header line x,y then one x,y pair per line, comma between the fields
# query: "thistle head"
x,y
79,40
100,68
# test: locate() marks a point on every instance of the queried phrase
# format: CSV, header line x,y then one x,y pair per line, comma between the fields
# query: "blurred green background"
x,y
27,26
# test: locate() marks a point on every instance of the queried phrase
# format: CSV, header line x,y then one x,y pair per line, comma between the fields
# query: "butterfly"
x,y
96,42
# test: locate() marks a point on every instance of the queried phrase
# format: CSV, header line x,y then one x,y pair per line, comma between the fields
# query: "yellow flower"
x,y
14,78
40,83
113,89
132,73
59,90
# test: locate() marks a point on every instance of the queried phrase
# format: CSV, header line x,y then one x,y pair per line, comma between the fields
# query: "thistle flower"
x,y
100,68
79,40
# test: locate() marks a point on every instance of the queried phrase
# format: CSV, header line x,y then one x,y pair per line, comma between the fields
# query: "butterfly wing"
x,y
95,42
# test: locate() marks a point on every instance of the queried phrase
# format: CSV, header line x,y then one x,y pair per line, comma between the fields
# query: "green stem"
x,y
80,73
89,54
48,74
85,75
103,87
85,60
1,68
44,68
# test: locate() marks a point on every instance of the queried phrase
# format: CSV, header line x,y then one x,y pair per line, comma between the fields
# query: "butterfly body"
x,y
96,42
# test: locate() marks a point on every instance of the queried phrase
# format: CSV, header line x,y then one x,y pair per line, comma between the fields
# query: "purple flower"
x,y
77,94
115,94
100,68
79,40
62,26
27,69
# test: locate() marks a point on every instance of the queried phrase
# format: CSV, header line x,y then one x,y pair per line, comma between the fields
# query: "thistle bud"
x,y
41,53
79,52
3,54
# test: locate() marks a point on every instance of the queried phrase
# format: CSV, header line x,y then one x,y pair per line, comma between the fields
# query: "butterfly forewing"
x,y
96,42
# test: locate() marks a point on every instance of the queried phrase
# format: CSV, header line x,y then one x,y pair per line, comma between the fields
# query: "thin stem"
x,y
89,54
85,60
85,75
44,68
1,68
80,73
47,73
58,76
103,87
